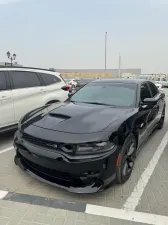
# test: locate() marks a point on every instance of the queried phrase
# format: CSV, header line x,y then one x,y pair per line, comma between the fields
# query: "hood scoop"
x,y
60,116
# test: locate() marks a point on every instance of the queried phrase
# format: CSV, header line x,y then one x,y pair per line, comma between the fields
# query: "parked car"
x,y
90,141
73,83
159,86
82,83
24,89
161,80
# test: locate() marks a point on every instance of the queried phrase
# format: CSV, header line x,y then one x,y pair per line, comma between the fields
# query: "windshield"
x,y
113,94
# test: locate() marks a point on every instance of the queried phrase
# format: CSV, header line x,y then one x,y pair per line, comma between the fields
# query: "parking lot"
x,y
142,200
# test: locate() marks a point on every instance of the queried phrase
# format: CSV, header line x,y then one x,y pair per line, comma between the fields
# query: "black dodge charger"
x,y
90,141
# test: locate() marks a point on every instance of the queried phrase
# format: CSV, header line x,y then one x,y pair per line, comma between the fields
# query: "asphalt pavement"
x,y
142,200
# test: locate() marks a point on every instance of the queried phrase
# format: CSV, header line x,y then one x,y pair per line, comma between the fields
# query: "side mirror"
x,y
162,94
149,101
66,87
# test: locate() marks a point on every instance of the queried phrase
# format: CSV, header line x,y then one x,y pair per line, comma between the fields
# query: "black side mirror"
x,y
162,94
149,101
66,88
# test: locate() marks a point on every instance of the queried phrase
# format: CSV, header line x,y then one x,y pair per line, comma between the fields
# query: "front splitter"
x,y
93,188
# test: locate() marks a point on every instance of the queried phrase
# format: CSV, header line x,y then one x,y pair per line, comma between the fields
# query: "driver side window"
x,y
145,92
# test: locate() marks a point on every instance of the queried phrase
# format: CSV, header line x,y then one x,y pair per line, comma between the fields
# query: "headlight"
x,y
94,148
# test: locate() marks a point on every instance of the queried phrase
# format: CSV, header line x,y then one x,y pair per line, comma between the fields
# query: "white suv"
x,y
23,89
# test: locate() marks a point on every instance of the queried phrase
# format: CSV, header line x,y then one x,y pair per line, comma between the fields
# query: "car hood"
x,y
76,117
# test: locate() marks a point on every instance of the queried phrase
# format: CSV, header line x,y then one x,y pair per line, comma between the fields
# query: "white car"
x,y
159,86
24,89
73,83
161,80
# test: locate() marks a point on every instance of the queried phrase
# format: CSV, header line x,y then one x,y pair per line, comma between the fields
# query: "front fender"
x,y
123,130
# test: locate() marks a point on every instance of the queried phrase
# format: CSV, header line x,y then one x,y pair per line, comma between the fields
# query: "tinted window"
x,y
49,79
145,92
22,79
153,88
2,81
115,94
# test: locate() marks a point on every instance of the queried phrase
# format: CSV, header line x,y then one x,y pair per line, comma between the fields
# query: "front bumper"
x,y
78,176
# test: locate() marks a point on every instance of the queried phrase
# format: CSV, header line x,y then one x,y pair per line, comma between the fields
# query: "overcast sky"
x,y
70,33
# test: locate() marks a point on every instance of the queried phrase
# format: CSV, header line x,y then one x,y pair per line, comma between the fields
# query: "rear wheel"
x,y
126,159
161,122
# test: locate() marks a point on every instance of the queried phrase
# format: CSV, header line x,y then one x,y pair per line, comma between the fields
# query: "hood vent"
x,y
60,116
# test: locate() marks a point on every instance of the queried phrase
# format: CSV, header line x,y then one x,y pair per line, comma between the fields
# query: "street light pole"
x,y
105,58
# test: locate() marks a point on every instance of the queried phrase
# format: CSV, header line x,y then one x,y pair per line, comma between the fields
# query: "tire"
x,y
16,160
161,122
126,159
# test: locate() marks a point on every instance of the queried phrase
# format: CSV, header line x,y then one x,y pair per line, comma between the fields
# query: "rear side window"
x,y
153,88
24,79
49,79
3,85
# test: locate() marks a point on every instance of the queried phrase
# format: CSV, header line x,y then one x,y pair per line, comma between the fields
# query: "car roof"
x,y
25,67
28,69
127,81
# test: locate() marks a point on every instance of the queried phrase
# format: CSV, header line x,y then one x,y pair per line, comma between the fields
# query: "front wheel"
x,y
126,159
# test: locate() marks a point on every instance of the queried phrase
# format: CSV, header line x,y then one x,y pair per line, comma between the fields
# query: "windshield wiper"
x,y
95,103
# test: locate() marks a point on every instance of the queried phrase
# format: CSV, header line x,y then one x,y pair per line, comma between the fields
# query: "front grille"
x,y
68,148
37,141
49,172
53,176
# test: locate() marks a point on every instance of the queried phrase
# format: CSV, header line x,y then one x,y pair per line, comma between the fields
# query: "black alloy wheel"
x,y
126,160
161,122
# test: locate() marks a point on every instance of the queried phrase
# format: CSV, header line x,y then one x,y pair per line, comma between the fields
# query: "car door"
x,y
6,101
144,117
152,110
158,108
26,89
